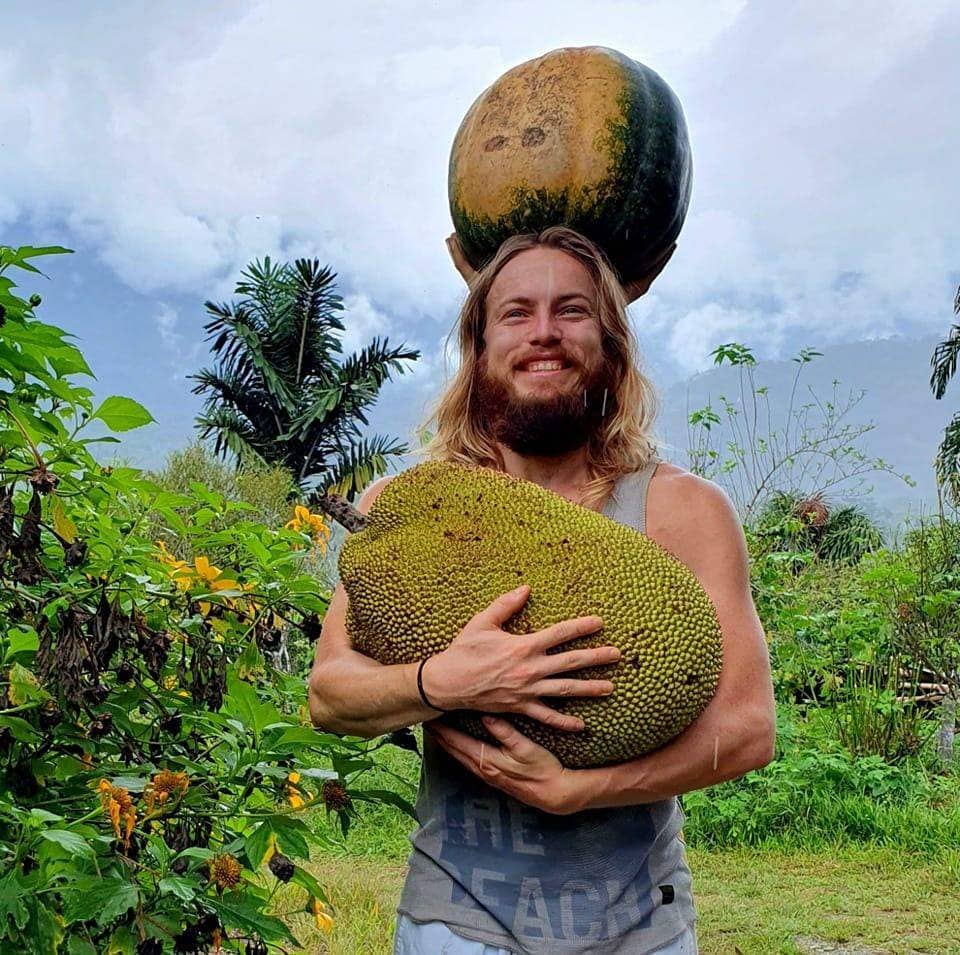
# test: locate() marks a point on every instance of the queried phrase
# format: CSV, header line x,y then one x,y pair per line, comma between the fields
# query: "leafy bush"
x,y
816,793
154,769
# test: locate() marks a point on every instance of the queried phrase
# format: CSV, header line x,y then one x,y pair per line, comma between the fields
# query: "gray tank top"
x,y
600,881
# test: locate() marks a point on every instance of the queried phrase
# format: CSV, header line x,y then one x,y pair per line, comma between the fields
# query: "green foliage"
x,y
814,449
152,761
844,537
278,391
920,588
944,364
816,793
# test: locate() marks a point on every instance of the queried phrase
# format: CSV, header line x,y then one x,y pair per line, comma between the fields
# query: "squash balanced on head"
x,y
584,137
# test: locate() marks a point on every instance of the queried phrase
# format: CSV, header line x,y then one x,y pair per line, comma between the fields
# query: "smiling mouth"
x,y
544,368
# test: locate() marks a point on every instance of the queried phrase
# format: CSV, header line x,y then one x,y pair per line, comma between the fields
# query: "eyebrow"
x,y
521,300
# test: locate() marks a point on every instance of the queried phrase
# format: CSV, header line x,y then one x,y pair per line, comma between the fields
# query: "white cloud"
x,y
179,147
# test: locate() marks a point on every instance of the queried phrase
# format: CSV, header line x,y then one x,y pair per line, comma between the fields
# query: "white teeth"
x,y
545,366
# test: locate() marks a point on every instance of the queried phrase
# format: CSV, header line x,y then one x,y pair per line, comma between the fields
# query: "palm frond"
x,y
357,465
944,362
947,464
232,433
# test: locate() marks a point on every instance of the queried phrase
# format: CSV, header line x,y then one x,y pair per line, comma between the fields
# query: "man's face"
x,y
543,349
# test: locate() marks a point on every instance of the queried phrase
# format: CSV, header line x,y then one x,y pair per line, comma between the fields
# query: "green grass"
x,y
804,877
754,902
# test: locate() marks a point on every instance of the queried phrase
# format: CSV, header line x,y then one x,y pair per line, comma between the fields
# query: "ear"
x,y
634,290
460,260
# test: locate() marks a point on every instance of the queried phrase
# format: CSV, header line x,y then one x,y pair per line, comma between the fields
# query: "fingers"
x,y
466,270
579,659
553,718
571,687
467,750
507,734
566,630
504,607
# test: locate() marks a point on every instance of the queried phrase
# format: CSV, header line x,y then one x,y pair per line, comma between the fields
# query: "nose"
x,y
545,330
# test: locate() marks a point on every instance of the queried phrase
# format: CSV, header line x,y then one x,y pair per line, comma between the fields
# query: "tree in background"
x,y
278,392
944,364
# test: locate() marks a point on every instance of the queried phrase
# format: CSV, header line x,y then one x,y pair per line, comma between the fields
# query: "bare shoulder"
x,y
372,492
693,518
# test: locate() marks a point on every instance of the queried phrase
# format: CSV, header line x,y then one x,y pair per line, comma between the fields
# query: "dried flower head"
x,y
164,785
225,871
281,867
335,795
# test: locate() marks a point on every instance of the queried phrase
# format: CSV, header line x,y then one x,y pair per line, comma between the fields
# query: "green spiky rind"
x,y
634,214
443,541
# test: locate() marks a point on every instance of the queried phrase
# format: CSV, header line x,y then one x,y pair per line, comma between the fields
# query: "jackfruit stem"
x,y
342,511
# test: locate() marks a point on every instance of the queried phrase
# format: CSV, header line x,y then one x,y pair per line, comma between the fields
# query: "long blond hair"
x,y
623,443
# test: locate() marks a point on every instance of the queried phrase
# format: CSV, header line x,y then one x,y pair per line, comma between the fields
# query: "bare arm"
x,y
735,733
349,692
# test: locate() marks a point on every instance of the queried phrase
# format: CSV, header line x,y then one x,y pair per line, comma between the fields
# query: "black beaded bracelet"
x,y
423,696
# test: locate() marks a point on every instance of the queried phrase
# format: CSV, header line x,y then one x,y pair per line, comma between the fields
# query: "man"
x,y
514,852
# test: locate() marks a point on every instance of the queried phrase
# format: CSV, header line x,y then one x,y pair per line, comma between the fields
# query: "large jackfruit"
x,y
442,541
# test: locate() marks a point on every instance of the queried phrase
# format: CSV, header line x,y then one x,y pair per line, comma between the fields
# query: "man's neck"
x,y
565,474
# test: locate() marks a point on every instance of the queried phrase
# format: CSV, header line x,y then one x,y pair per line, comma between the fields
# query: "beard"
x,y
544,425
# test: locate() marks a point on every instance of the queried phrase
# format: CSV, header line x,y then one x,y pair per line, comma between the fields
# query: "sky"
x,y
169,145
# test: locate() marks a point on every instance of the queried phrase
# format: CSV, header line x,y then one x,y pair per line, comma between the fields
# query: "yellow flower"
x,y
305,522
271,849
117,803
225,871
318,910
293,794
164,785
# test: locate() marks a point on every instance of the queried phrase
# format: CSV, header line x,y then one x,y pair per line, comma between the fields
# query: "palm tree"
x,y
278,391
944,364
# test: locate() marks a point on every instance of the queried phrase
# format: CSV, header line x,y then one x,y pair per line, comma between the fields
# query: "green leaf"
x,y
122,414
303,878
24,686
243,913
20,729
102,899
44,929
292,837
62,523
296,737
133,784
181,888
196,852
385,795
32,251
80,946
122,941
12,893
241,701
22,640
74,844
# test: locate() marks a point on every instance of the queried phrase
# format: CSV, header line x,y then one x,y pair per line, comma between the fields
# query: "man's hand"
x,y
486,668
519,766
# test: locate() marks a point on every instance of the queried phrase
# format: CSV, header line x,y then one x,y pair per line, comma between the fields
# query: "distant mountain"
x,y
894,375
